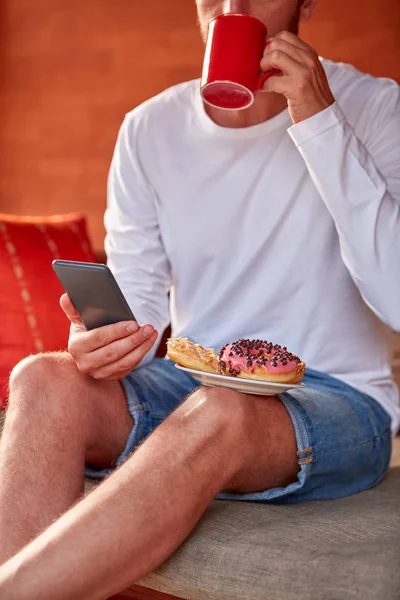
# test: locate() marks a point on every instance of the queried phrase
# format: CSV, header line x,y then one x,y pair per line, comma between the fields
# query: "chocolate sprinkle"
x,y
257,353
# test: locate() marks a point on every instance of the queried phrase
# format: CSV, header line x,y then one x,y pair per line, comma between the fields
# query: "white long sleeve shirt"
x,y
289,233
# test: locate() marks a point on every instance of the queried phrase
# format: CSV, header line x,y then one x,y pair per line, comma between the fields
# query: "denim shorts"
x,y
343,436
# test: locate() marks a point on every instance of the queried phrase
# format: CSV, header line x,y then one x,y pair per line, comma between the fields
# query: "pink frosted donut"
x,y
264,361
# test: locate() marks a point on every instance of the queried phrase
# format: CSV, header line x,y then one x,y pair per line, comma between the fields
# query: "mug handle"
x,y
267,75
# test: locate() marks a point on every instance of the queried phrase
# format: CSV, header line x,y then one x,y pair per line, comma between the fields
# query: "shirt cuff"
x,y
316,125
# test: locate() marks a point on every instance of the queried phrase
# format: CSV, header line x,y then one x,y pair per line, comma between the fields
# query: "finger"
x,y
294,39
306,57
279,85
278,59
102,336
116,350
126,364
69,309
298,53
77,325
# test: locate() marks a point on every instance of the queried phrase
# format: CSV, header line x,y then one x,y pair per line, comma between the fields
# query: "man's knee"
x,y
254,433
38,374
243,422
219,410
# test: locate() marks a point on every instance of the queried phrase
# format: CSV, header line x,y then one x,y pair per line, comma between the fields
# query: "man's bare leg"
x,y
56,419
217,439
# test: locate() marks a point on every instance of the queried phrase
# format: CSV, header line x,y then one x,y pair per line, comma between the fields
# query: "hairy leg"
x,y
217,439
57,418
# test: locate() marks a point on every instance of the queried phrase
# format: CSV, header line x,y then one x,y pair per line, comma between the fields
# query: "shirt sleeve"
x,y
360,185
134,247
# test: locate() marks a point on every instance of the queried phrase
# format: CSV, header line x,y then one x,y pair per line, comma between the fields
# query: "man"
x,y
279,222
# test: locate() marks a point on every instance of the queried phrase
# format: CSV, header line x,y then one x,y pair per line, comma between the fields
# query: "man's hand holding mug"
x,y
240,61
303,80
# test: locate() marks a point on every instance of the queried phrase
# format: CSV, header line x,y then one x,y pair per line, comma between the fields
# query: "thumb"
x,y
275,83
72,314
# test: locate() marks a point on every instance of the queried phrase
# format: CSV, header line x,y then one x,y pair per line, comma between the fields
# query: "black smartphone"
x,y
94,292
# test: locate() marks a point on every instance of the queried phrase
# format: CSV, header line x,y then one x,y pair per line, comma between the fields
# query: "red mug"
x,y
231,69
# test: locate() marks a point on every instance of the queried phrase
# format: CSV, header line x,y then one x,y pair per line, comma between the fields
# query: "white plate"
x,y
247,386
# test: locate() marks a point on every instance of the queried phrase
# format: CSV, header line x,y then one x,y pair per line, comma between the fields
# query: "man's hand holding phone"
x,y
110,352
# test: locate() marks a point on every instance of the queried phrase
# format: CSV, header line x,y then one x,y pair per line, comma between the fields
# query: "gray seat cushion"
x,y
345,549
336,550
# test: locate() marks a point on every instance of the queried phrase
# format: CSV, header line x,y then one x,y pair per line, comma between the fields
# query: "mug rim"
x,y
210,83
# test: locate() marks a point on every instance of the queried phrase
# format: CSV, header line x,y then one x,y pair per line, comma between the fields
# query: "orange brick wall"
x,y
72,68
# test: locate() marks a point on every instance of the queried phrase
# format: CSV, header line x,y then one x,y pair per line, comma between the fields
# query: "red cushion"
x,y
31,318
